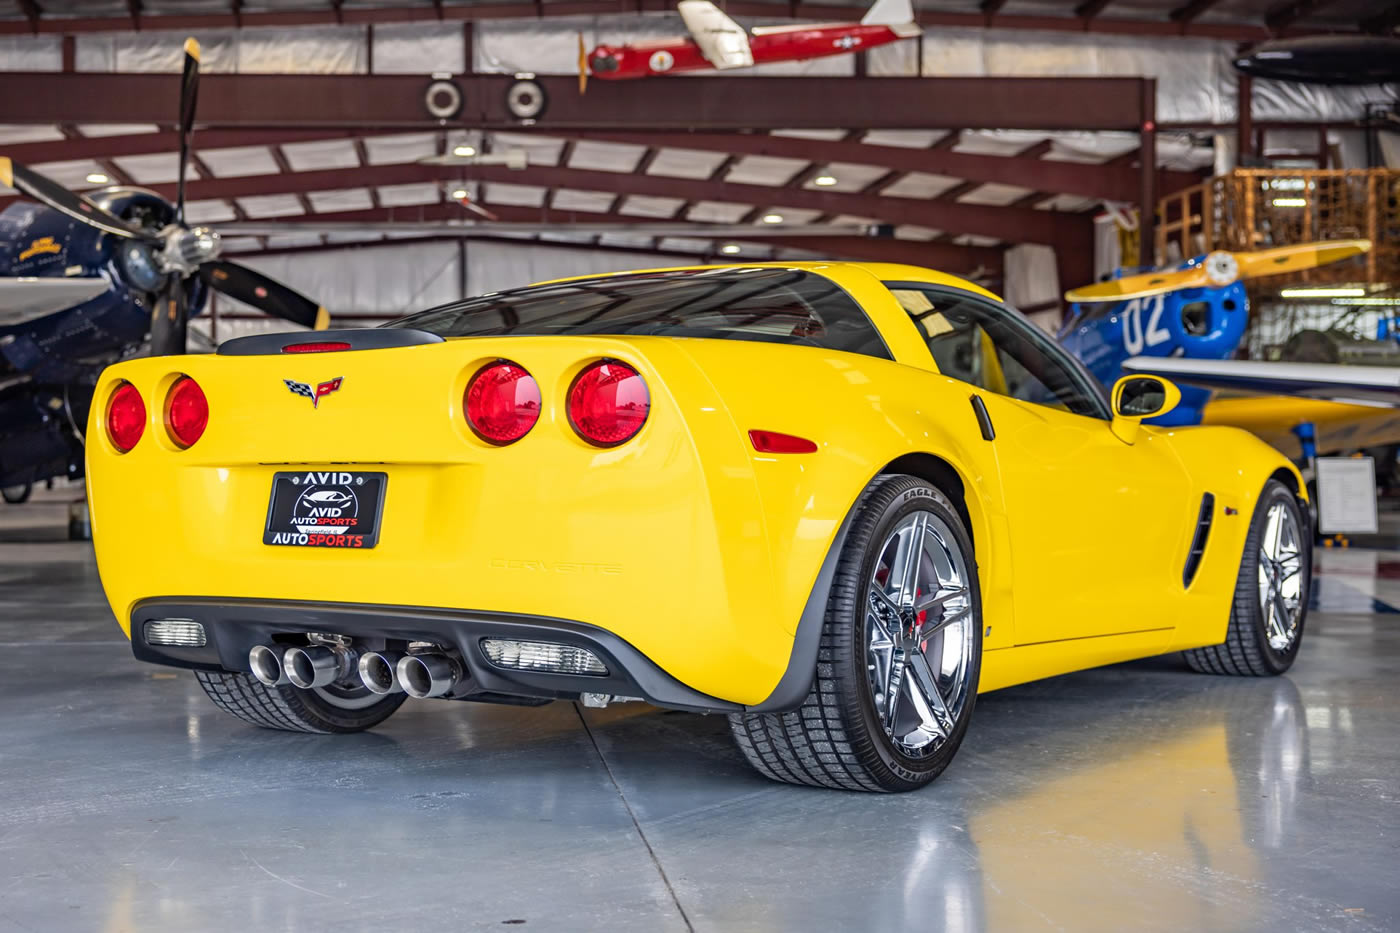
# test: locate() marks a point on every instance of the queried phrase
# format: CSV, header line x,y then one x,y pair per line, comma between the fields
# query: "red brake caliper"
x,y
919,621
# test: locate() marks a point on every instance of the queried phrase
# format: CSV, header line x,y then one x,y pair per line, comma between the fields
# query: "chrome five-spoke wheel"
x,y
1270,605
894,678
920,633
1280,576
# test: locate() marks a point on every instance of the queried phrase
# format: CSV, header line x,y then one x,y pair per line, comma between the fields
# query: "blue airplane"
x,y
87,280
1186,324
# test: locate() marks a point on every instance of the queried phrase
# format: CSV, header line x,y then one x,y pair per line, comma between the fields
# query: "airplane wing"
x,y
25,299
722,41
1377,386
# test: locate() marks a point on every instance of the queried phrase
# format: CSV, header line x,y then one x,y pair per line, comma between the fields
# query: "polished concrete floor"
x,y
1139,797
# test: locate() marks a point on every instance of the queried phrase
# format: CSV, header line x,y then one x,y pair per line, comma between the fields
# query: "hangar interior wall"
x,y
366,285
1196,84
1195,81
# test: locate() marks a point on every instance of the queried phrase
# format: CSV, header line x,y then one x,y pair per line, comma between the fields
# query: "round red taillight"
x,y
502,402
186,412
126,417
608,403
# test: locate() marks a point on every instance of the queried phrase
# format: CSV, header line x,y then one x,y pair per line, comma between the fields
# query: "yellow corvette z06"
x,y
831,501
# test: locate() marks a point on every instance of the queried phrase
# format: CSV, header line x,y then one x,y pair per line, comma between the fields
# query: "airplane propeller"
x,y
582,66
1222,268
180,251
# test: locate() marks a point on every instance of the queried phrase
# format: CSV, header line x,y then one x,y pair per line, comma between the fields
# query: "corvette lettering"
x,y
322,389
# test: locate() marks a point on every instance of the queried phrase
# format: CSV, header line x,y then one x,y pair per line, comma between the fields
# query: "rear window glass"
x,y
762,304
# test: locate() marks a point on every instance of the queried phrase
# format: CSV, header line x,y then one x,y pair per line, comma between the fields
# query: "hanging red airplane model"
x,y
717,42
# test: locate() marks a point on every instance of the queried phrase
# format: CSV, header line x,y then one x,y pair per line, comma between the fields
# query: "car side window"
x,y
995,349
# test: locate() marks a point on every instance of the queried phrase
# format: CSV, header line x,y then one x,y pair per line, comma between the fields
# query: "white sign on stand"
x,y
1346,495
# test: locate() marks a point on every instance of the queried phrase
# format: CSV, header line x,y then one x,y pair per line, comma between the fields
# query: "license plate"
x,y
325,508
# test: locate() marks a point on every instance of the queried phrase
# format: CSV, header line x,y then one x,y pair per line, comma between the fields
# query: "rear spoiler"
x,y
327,341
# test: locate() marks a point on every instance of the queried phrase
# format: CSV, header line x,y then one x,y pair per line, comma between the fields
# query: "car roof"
x,y
884,271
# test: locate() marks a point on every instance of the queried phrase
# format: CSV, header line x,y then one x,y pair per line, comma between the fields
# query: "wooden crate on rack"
x,y
1259,208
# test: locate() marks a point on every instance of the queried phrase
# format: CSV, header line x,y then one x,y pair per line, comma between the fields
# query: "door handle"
x,y
984,420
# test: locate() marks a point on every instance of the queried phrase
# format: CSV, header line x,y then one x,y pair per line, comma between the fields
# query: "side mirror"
x,y
1138,397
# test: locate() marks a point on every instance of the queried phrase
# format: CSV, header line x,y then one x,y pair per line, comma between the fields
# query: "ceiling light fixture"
x,y
98,178
1322,293
1290,202
464,151
459,194
824,181
772,218
729,249
1367,302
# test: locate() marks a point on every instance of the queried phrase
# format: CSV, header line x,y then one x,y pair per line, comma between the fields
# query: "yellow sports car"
x,y
832,501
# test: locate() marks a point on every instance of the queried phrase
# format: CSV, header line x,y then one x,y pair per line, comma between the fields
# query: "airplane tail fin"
x,y
889,13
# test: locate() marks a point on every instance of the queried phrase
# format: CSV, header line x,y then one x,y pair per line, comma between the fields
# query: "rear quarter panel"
x,y
1234,465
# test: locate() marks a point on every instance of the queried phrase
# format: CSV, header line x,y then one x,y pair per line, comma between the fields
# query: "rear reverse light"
x,y
186,412
608,403
126,417
773,442
329,346
502,402
179,633
542,656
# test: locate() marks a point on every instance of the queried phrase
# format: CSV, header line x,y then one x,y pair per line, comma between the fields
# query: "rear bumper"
x,y
233,626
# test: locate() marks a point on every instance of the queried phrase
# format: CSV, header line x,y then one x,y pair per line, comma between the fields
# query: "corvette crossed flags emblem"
x,y
322,389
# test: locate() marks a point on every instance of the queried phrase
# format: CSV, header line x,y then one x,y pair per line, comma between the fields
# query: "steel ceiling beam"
x,y
107,147
720,103
425,240
988,15
944,256
1015,225
1109,182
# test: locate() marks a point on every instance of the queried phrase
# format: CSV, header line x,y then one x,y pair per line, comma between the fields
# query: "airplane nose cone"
x,y
1222,268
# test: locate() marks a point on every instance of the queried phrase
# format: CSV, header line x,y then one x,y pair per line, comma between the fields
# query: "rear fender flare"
x,y
796,683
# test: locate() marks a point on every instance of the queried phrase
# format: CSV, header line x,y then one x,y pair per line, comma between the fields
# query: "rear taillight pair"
x,y
607,403
186,414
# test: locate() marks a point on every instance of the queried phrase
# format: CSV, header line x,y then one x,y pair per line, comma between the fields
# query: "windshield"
x,y
761,304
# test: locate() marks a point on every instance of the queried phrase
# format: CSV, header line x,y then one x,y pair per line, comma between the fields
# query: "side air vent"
x,y
1198,540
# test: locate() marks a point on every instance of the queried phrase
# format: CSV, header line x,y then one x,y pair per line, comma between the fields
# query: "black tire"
x,y
17,495
288,708
835,738
1246,651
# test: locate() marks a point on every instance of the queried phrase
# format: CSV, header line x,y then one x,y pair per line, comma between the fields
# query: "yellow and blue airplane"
x,y
1187,323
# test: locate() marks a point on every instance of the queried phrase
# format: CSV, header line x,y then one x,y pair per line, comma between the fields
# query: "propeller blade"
x,y
268,296
582,66
1139,286
189,94
170,319
478,209
49,192
1222,268
1298,257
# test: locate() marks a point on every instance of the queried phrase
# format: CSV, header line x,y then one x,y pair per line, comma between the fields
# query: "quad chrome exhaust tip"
x,y
266,664
317,665
379,671
427,675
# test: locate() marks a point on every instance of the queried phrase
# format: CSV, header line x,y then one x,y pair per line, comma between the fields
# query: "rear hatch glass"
x,y
761,304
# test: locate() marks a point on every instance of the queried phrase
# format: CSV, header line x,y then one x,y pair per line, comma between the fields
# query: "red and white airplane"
x,y
717,42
